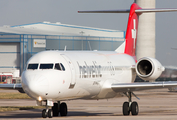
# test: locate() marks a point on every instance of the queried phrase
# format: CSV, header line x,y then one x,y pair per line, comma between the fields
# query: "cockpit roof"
x,y
46,57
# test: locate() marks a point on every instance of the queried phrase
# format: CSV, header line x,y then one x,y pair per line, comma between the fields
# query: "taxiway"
x,y
153,104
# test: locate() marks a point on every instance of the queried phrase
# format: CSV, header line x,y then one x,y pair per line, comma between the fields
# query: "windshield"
x,y
57,66
32,66
46,66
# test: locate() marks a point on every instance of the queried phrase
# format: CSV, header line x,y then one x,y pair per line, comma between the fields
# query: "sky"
x,y
17,12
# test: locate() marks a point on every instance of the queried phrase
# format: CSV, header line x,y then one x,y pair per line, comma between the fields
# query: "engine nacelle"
x,y
149,68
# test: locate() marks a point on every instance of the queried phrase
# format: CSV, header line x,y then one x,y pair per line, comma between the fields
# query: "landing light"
x,y
40,98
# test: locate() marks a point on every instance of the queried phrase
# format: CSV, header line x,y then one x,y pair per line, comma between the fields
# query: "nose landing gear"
x,y
47,112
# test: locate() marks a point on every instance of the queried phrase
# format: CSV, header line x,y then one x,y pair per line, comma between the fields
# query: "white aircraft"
x,y
55,76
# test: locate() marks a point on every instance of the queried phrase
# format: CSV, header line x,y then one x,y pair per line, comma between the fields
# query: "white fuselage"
x,y
73,75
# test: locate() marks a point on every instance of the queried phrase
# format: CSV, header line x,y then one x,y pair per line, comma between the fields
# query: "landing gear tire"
x,y
63,109
44,113
130,106
55,109
126,110
134,108
50,113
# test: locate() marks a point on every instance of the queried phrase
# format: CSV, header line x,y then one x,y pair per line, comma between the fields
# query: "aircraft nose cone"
x,y
33,89
35,85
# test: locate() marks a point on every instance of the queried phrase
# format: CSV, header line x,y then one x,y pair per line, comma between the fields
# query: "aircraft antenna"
x,y
89,46
65,48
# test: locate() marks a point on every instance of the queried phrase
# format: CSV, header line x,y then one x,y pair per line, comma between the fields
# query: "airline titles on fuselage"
x,y
89,71
94,71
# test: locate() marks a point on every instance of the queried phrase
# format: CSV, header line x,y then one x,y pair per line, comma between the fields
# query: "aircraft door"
x,y
73,79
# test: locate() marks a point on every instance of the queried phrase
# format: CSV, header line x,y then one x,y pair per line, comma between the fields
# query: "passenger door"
x,y
73,78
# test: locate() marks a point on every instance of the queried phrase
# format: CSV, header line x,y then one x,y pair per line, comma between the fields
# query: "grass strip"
x,y
14,96
14,108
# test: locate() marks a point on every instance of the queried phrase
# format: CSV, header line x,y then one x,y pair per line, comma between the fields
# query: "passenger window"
x,y
63,68
57,66
32,66
46,66
3,78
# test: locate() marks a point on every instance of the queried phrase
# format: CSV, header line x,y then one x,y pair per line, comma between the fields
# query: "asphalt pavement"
x,y
153,104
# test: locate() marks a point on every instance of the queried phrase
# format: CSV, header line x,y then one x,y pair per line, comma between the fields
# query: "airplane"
x,y
55,76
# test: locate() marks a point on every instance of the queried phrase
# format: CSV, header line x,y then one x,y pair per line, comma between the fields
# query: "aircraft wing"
x,y
127,87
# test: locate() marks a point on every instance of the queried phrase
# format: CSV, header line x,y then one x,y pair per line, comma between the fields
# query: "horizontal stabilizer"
x,y
128,10
106,11
154,10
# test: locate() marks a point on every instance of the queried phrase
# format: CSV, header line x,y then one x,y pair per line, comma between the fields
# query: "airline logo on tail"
x,y
132,29
134,32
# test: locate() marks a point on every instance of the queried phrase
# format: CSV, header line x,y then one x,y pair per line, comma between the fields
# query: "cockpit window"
x,y
32,66
63,68
46,66
57,66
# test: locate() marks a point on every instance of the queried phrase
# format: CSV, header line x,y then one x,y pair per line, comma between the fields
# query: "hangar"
x,y
19,43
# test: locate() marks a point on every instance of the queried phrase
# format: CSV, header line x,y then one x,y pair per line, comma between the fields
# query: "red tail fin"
x,y
132,27
132,30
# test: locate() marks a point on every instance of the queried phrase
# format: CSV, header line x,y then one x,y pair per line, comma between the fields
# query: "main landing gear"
x,y
56,109
130,106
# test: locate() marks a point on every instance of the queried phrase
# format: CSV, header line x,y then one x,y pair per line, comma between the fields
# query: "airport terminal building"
x,y
19,43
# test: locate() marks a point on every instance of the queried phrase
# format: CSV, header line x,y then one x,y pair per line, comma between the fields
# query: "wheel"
x,y
63,109
134,108
55,109
50,113
44,113
126,110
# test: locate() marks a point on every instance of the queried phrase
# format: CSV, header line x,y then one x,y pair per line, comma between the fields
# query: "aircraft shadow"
x,y
36,113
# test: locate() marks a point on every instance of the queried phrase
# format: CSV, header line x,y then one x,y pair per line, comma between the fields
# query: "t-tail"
x,y
132,30
132,26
